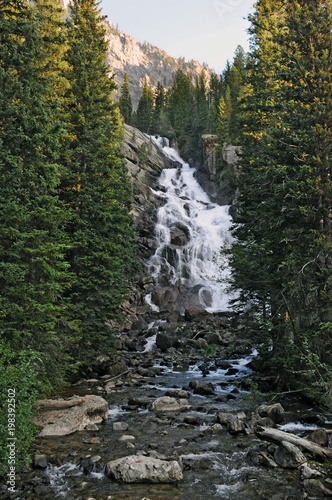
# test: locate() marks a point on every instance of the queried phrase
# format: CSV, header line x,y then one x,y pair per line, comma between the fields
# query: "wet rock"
x,y
201,344
178,393
126,438
92,464
141,469
267,461
40,462
195,462
165,297
275,412
320,437
144,402
316,488
202,388
289,456
166,403
235,423
93,410
194,313
309,473
179,236
192,420
120,426
164,341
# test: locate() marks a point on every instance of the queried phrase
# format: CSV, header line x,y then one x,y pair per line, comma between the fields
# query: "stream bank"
x,y
211,436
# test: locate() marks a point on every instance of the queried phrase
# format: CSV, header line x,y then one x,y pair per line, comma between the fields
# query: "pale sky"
x,y
205,30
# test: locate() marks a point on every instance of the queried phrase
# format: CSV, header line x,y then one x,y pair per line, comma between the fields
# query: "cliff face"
x,y
126,55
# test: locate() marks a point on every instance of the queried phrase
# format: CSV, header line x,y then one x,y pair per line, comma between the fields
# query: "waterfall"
x,y
190,231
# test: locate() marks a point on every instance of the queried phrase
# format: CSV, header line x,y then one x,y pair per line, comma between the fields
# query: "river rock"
x,y
93,410
40,462
315,488
120,426
319,436
178,393
275,412
166,403
141,469
289,456
202,388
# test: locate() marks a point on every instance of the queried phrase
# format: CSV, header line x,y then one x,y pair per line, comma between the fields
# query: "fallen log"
x,y
57,404
277,436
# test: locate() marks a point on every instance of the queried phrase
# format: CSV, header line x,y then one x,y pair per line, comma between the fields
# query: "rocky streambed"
x,y
179,423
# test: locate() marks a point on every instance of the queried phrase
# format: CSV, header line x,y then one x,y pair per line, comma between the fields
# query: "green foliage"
x,y
125,103
145,109
95,186
19,390
281,257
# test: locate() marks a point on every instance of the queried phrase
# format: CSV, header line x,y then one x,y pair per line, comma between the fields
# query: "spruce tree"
x,y
285,204
33,270
95,185
145,108
34,341
159,106
125,103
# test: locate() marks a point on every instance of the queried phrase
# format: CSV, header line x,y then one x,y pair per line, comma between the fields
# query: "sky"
x,y
205,30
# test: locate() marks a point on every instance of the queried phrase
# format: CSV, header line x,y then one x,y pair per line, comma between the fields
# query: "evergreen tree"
x,y
32,245
95,185
202,106
284,225
159,106
33,339
145,108
126,107
181,112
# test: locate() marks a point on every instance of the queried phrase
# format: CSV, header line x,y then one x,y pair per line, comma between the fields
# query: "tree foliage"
x,y
282,257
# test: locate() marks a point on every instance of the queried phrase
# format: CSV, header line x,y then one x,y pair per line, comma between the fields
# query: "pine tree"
x,y
32,245
95,185
33,339
159,106
145,108
285,204
202,106
126,107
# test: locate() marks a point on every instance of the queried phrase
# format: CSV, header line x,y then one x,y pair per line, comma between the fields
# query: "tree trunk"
x,y
278,436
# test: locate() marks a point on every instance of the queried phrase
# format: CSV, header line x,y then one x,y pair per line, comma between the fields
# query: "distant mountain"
x,y
125,54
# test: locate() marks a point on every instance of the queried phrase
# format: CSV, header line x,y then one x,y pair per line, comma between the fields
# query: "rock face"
x,y
138,60
141,469
94,410
210,175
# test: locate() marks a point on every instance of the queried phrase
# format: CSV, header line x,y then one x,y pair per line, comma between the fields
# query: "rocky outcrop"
x,y
142,469
60,422
219,181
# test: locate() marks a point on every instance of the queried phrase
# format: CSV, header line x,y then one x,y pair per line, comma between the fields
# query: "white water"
x,y
198,262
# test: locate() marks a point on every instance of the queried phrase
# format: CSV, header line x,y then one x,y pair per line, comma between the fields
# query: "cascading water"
x,y
190,231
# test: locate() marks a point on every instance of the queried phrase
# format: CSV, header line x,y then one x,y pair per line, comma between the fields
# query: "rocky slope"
x,y
140,60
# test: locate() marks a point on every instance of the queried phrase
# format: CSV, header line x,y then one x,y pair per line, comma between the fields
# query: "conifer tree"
x,y
145,108
32,246
284,228
126,107
34,276
159,106
95,185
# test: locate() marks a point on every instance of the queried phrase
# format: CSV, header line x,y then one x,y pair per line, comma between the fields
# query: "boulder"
x,y
166,403
202,388
178,393
60,422
40,462
141,469
275,412
289,456
235,423
315,488
120,426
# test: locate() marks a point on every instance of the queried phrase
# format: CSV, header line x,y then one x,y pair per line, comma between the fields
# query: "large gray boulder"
x,y
141,469
60,422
